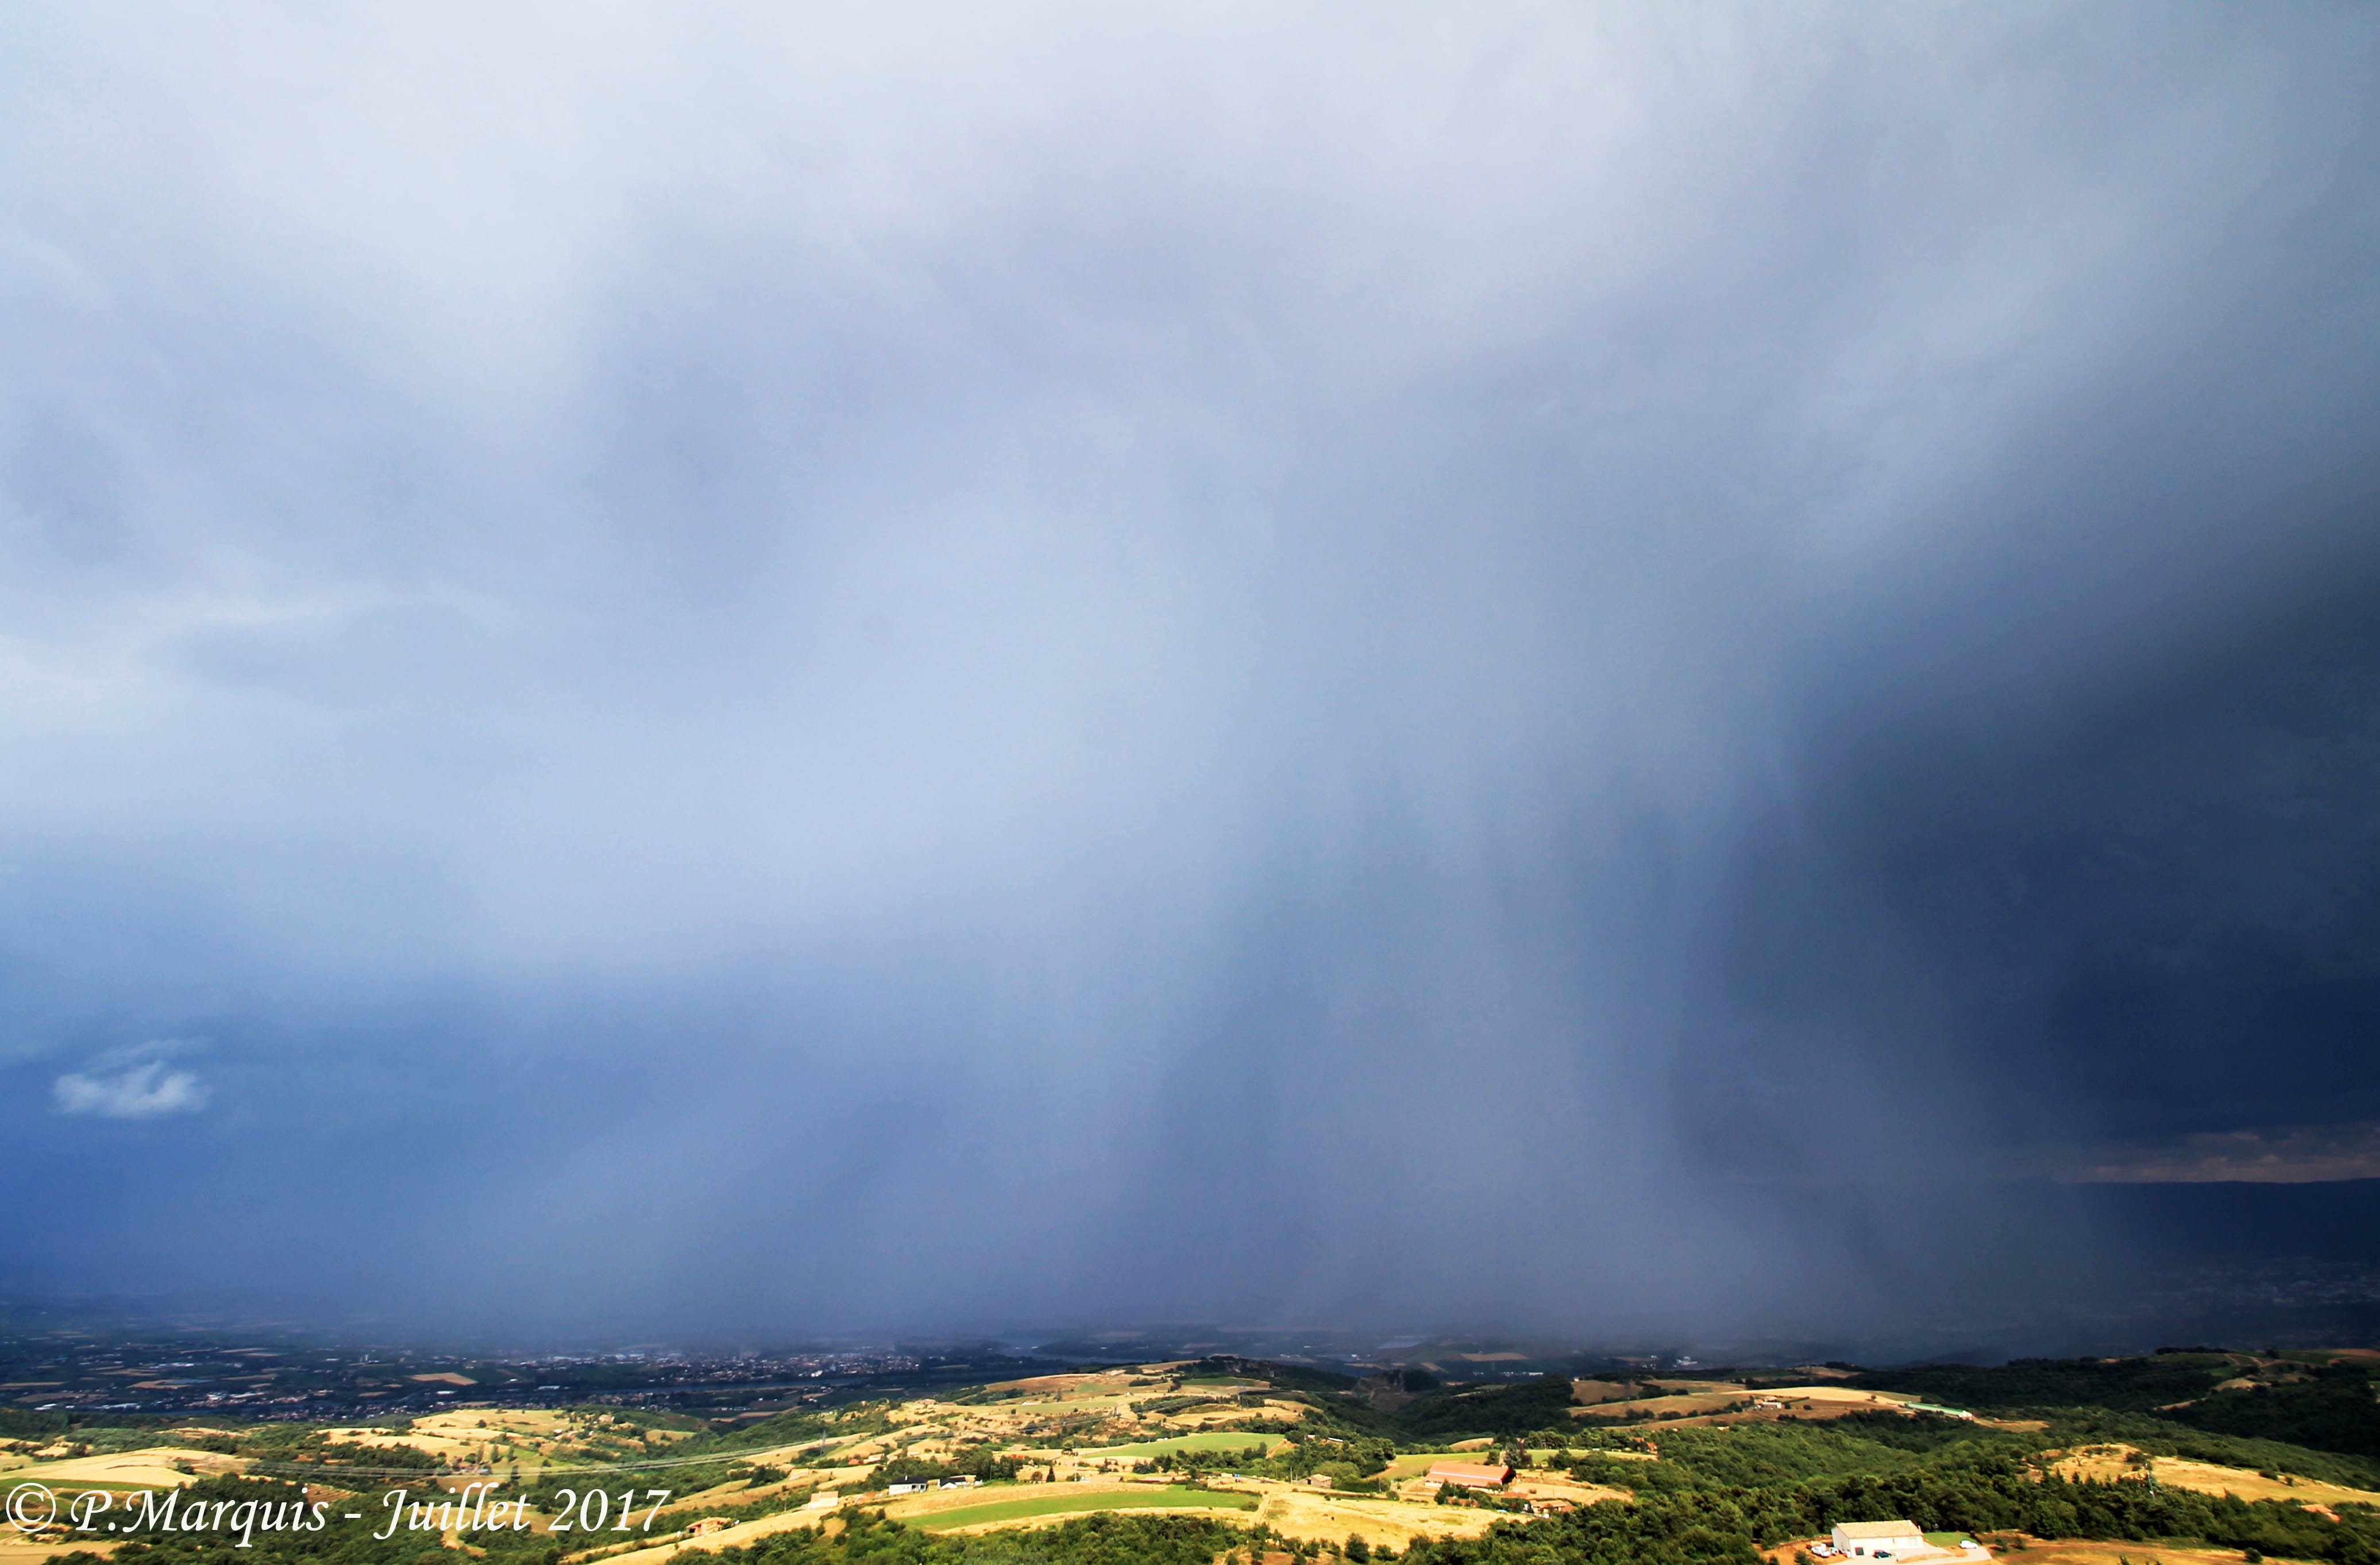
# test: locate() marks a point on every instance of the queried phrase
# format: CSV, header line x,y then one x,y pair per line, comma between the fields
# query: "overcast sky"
x,y
725,669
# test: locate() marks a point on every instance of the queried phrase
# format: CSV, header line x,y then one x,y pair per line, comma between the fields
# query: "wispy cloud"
x,y
139,1082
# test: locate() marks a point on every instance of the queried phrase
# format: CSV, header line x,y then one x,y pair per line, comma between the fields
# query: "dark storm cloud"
x,y
758,670
2150,893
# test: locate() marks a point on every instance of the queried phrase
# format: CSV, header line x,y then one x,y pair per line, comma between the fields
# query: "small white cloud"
x,y
133,1084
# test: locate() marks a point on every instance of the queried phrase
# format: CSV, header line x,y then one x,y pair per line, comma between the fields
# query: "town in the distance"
x,y
170,1446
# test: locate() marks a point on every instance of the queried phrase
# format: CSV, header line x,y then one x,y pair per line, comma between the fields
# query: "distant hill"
x,y
2136,1384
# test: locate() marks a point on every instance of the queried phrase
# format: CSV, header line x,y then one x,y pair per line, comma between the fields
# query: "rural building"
x,y
1898,1539
708,1525
919,1485
1470,1474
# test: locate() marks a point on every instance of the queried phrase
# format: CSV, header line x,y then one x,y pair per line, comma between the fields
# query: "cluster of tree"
x,y
1762,1455
2334,1409
337,1456
1074,1428
347,1464
25,1425
1261,1424
690,1478
1494,1411
1193,1460
1347,1462
1280,1377
100,1431
983,1466
2134,1385
1160,1406
789,1428
21,1424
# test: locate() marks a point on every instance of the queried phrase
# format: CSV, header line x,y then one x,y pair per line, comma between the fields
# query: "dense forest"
x,y
2330,1406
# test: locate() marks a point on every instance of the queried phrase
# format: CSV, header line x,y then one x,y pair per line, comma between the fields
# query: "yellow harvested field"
x,y
2111,1462
726,1537
1708,1406
151,1468
507,1436
17,1550
1041,1505
1049,1389
1329,1518
1690,1407
1539,1485
424,1437
1833,1394
1692,1399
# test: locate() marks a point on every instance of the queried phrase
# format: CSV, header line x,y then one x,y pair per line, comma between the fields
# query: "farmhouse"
x,y
919,1485
1470,1474
1898,1539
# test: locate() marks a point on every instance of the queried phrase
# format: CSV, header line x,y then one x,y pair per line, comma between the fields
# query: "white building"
x,y
1868,1539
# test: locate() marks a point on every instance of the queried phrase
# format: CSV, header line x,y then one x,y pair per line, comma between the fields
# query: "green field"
x,y
1062,1505
1211,1440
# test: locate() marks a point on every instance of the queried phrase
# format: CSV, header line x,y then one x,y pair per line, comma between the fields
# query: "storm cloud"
x,y
781,669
